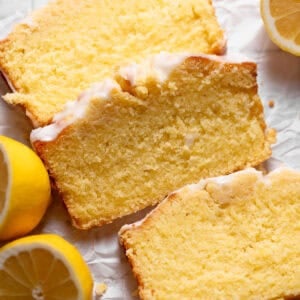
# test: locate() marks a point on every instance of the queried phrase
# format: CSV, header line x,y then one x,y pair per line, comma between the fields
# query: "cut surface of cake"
x,y
168,122
230,237
68,45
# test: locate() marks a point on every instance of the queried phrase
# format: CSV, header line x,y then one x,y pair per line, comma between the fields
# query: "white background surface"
x,y
279,80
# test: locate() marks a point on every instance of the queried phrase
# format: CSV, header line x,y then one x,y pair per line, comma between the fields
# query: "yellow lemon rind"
x,y
28,192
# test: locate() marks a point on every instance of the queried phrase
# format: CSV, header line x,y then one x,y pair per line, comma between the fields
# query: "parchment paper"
x,y
278,77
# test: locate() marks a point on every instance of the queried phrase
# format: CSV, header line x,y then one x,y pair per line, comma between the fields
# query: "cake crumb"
x,y
100,289
271,103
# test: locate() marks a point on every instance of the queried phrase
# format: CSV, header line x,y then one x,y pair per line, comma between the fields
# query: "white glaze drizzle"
x,y
161,65
73,110
220,180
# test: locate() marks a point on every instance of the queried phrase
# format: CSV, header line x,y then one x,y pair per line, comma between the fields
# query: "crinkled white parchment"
x,y
279,80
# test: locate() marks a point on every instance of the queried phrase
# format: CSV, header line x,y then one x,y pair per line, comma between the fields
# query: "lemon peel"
x,y
24,189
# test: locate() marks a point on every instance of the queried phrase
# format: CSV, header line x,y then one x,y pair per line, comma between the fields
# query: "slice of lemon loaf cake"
x,y
70,44
230,237
167,122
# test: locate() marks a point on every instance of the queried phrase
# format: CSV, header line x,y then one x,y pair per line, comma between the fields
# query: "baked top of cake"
x,y
170,121
69,44
231,237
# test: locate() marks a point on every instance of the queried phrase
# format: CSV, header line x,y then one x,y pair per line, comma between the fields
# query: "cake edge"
x,y
29,22
153,66
219,180
73,110
60,125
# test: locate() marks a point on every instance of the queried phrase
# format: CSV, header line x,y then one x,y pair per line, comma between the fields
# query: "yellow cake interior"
x,y
128,152
70,44
238,239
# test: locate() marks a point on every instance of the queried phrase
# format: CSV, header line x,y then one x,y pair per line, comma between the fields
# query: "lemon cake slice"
x,y
68,45
230,237
162,124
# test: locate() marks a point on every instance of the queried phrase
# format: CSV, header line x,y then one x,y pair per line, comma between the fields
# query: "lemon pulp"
x,y
282,22
43,267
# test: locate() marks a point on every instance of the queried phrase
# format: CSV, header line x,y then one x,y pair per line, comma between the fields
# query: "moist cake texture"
x,y
231,237
69,44
127,142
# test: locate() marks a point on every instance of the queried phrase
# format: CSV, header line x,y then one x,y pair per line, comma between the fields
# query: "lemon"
x,y
43,267
282,22
24,189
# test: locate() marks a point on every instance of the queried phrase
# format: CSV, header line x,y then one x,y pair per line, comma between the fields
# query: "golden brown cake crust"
x,y
225,192
38,102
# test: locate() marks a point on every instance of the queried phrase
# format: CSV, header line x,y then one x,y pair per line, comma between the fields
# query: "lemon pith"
x,y
24,189
43,267
282,23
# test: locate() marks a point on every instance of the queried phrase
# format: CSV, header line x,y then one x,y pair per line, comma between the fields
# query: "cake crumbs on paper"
x,y
100,289
271,103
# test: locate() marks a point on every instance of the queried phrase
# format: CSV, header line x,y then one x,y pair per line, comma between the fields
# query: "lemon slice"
x,y
282,22
24,189
43,267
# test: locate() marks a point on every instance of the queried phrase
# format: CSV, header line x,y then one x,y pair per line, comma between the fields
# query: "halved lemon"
x,y
24,189
282,22
43,267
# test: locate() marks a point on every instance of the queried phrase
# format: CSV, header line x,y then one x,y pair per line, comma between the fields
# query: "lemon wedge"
x,y
282,22
43,267
24,189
